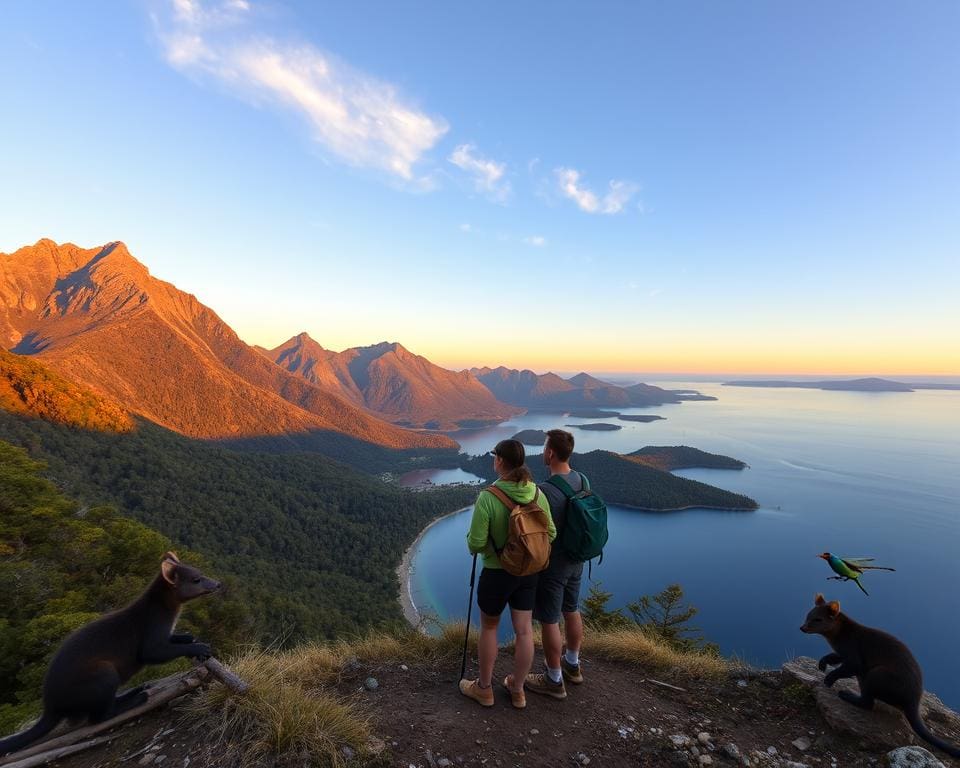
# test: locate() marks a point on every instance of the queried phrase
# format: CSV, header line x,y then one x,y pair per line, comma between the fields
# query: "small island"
x,y
849,385
594,413
641,417
597,427
531,436
642,480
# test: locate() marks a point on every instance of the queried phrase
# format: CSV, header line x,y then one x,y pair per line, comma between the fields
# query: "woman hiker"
x,y
498,588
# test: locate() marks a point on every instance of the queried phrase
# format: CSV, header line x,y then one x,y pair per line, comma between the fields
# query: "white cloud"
x,y
538,241
360,119
616,199
487,174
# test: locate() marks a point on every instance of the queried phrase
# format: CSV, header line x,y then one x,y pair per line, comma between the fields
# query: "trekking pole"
x,y
466,634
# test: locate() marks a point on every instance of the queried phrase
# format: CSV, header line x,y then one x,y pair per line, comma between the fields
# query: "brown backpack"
x,y
527,549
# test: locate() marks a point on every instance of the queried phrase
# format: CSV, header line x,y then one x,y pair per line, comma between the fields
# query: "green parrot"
x,y
850,568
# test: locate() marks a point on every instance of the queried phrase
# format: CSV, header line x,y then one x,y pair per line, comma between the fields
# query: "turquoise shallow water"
x,y
859,474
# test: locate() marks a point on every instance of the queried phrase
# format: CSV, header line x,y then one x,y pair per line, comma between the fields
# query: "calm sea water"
x,y
858,474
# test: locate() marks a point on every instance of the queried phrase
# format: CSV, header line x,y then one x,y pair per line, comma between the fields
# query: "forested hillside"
x,y
313,544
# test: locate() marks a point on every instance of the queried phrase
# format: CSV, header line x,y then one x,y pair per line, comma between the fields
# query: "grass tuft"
x,y
635,646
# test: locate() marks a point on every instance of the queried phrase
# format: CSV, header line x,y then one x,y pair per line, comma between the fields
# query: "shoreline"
x,y
404,571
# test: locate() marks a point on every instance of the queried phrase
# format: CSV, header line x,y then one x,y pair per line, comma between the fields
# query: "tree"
x,y
665,616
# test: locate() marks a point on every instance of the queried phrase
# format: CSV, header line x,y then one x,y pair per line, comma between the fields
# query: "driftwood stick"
x,y
168,689
55,754
666,685
226,676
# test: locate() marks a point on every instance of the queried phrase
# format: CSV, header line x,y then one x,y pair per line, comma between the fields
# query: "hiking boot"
x,y
517,698
571,672
541,683
472,690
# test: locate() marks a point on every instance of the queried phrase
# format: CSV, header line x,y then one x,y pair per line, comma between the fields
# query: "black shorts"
x,y
558,590
497,589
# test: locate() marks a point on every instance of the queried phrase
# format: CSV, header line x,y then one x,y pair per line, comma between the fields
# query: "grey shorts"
x,y
558,590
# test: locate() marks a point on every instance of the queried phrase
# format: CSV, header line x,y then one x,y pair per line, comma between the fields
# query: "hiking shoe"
x,y
541,683
472,690
517,698
571,672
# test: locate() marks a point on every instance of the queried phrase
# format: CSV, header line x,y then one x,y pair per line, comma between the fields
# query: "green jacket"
x,y
492,518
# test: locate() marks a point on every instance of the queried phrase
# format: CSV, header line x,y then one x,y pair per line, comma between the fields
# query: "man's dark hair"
x,y
561,443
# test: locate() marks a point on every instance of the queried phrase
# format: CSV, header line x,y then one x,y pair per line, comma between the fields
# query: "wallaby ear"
x,y
818,600
168,569
834,607
171,556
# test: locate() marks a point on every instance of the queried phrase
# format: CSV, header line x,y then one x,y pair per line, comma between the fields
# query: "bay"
x,y
858,474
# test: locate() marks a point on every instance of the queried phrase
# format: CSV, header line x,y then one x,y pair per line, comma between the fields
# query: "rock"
x,y
376,745
731,750
705,760
582,759
679,740
803,743
704,738
883,727
371,684
792,764
444,763
912,757
159,759
695,750
146,759
771,750
534,731
404,668
429,758
742,683
679,758
348,753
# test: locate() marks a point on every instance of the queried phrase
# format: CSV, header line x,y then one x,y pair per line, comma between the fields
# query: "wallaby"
x,y
95,660
883,666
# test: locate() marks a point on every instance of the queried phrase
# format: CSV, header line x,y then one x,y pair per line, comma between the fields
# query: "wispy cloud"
x,y
358,118
614,201
538,241
488,175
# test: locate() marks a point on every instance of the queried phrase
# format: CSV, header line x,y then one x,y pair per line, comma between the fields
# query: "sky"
x,y
737,187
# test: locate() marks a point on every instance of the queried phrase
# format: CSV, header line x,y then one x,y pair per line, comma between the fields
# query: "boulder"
x,y
884,727
912,757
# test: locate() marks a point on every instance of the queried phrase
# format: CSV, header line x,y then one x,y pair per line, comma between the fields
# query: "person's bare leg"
x,y
523,652
487,647
573,629
552,642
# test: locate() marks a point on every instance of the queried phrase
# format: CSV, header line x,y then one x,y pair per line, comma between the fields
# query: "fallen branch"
x,y
164,691
56,754
226,676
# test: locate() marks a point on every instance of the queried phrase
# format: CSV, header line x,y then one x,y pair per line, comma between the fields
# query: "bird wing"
x,y
854,564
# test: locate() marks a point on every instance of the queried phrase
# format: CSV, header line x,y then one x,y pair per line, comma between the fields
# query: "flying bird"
x,y
851,568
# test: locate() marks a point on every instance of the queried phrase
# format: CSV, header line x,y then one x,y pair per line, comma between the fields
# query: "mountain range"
x,y
547,391
97,317
394,383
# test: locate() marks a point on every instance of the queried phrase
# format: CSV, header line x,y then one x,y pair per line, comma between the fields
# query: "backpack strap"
x,y
509,503
584,482
562,485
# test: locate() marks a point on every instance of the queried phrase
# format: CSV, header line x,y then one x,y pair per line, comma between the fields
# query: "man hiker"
x,y
558,589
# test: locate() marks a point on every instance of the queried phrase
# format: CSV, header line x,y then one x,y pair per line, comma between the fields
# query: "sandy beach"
x,y
404,571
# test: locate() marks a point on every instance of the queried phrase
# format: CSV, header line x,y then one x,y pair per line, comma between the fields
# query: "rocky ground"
x,y
621,716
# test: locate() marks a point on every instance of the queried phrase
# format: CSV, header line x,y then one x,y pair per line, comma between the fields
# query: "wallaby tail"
x,y
921,729
41,728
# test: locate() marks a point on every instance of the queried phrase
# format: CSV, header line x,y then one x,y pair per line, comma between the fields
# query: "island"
x,y
642,417
849,385
671,457
531,436
638,481
595,413
597,427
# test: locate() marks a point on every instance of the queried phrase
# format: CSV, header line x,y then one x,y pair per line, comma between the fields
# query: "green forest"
x,y
312,544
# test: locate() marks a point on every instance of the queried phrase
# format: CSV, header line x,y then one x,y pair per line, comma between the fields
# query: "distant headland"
x,y
849,385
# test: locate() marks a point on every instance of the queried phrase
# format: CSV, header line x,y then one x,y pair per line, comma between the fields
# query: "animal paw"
x,y
202,651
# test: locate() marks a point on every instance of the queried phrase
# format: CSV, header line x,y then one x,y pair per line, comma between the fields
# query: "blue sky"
x,y
736,187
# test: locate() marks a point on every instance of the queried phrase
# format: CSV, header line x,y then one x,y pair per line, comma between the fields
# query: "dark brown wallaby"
x,y
94,661
883,666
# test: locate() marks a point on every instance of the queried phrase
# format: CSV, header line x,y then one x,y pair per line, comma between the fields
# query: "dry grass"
x,y
638,647
284,715
294,714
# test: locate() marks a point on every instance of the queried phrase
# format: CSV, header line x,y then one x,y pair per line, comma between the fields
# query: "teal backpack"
x,y
585,532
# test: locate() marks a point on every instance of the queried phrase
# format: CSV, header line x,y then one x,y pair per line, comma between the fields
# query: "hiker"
x,y
558,589
492,535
